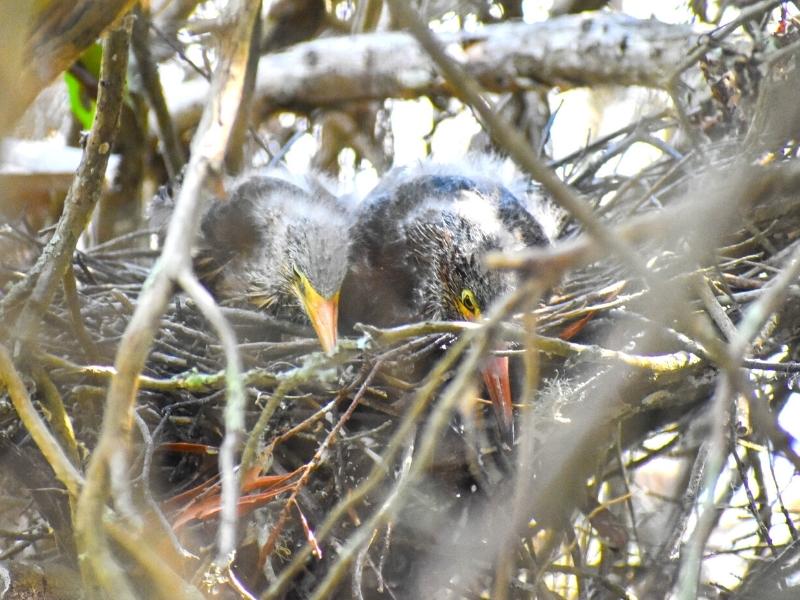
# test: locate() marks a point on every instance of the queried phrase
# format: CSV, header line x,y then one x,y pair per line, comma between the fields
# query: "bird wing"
x,y
236,235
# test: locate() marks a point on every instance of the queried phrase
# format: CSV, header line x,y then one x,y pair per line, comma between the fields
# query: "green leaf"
x,y
74,90
90,61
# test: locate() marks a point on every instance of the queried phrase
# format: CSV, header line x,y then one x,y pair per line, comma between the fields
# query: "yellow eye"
x,y
469,303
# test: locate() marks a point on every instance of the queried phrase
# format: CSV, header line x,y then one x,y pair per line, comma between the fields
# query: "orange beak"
x,y
497,381
495,376
324,315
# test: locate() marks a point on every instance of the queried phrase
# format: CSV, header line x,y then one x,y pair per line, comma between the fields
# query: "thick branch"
x,y
42,39
574,50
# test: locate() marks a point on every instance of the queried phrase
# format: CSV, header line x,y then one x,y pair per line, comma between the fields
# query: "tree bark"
x,y
569,51
42,39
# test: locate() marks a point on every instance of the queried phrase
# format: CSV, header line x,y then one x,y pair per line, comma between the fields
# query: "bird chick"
x,y
417,249
281,246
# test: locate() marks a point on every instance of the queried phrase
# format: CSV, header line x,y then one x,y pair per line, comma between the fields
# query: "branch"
x,y
141,42
440,416
742,189
663,363
208,151
751,324
42,39
569,51
65,471
234,408
54,261
474,338
467,88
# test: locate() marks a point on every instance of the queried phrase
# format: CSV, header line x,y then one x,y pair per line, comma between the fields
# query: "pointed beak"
x,y
324,315
495,376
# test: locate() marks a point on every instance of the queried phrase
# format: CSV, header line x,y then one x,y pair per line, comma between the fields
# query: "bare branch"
x,y
209,147
569,51
53,263
44,39
513,142
140,42
64,469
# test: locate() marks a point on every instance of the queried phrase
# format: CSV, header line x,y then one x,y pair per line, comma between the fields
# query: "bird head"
x,y
469,290
458,286
426,231
463,289
316,264
280,246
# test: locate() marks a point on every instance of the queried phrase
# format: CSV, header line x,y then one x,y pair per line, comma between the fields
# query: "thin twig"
x,y
209,148
400,438
65,471
431,436
140,43
234,408
315,461
57,413
51,266
73,305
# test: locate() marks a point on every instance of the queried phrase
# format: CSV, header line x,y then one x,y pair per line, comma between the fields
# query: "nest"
x,y
382,460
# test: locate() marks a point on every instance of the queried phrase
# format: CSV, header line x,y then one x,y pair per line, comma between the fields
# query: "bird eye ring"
x,y
468,300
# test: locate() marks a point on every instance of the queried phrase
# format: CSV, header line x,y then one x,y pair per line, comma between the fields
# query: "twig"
x,y
121,240
752,505
66,472
314,365
209,147
191,382
52,264
714,308
438,420
617,590
234,408
721,33
717,449
58,417
750,326
315,461
377,474
140,42
166,528
665,363
601,141
167,582
73,305
750,186
758,313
